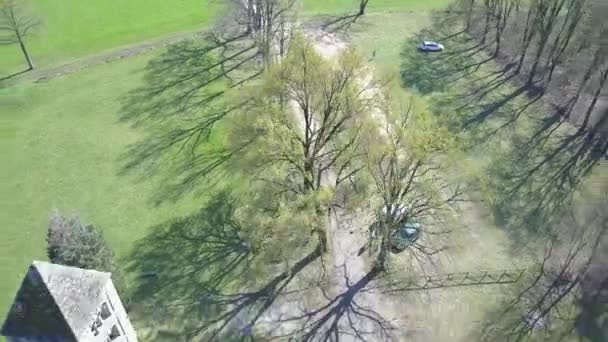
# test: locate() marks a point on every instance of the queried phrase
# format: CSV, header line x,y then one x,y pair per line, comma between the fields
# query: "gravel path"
x,y
104,57
348,234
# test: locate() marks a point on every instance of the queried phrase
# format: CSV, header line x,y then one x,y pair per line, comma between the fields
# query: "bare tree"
x,y
547,12
603,73
404,169
554,296
16,24
469,6
263,21
308,119
489,8
599,64
574,14
502,13
527,37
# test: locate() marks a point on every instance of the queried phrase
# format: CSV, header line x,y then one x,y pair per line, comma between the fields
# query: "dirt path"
x,y
348,237
104,57
345,305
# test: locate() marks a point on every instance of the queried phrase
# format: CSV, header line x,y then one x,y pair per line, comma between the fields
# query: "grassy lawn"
x,y
74,28
63,147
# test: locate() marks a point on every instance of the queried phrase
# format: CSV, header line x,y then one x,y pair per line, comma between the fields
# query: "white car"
x,y
428,45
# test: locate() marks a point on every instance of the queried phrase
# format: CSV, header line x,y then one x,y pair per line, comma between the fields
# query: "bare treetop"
x,y
16,23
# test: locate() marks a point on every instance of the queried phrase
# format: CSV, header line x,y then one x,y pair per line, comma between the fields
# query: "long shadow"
x,y
342,316
13,75
537,162
185,94
567,293
339,23
200,279
535,182
592,321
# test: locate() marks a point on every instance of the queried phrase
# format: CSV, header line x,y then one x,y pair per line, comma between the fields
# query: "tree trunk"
x,y
559,45
385,247
469,15
522,57
596,96
486,27
250,16
547,23
527,38
585,80
268,36
282,38
499,29
539,52
497,49
362,6
551,70
30,64
322,236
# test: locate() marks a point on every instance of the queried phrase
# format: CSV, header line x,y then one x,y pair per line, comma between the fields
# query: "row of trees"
x,y
545,38
313,133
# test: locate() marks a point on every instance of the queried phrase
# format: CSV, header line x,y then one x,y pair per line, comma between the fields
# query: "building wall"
x,y
116,319
120,314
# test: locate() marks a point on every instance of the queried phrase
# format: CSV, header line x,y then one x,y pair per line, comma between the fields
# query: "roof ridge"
x,y
35,267
52,293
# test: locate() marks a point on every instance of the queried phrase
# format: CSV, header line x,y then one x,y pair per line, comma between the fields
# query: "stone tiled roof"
x,y
56,301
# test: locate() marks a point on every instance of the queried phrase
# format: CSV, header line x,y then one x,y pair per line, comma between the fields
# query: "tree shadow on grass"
x,y
565,296
13,75
340,316
197,274
537,162
337,23
186,93
184,265
200,279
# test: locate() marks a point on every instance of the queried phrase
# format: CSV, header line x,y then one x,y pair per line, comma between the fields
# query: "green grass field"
x,y
75,28
63,147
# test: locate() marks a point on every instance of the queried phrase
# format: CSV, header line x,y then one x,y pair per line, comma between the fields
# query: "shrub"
x,y
70,242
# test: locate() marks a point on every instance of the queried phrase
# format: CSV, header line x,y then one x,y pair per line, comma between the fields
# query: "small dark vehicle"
x,y
405,236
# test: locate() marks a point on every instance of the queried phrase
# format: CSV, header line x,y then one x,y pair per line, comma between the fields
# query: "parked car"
x,y
405,236
408,232
430,46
